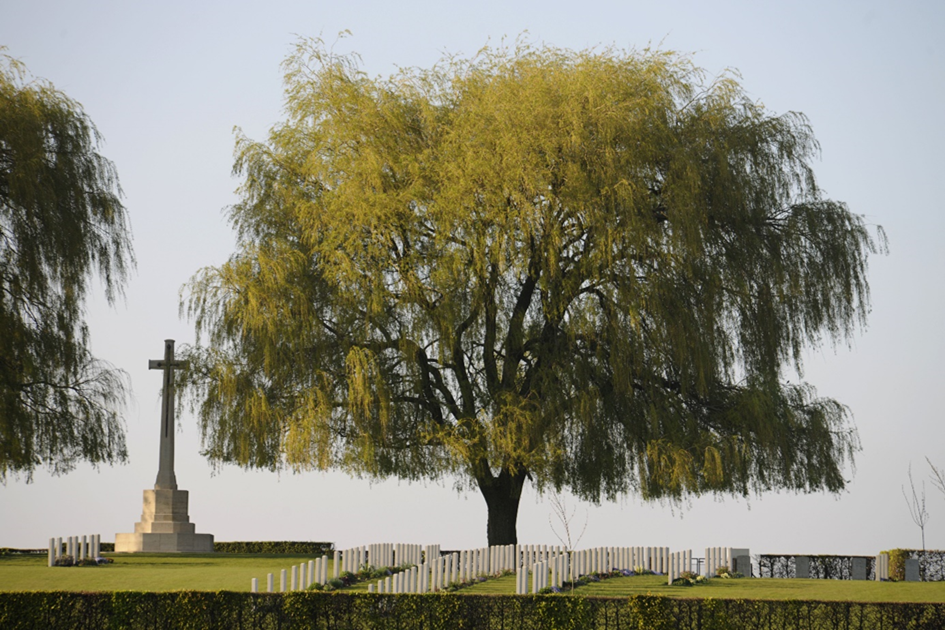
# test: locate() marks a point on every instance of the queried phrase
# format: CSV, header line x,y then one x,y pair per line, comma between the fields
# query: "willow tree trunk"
x,y
502,494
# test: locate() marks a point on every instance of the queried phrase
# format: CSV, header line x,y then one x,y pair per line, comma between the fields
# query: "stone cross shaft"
x,y
166,479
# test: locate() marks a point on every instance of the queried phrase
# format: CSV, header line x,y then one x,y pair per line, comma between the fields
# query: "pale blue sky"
x,y
167,82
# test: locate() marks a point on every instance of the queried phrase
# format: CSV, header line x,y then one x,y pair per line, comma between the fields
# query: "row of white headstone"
x,y
298,578
729,557
565,567
679,562
558,566
553,571
466,565
416,579
375,556
426,570
381,555
437,572
429,570
78,548
548,566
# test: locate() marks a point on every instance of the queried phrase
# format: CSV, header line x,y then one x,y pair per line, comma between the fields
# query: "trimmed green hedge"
x,y
276,546
362,611
265,546
10,551
897,563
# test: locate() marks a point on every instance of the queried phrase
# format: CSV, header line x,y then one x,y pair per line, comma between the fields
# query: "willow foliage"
x,y
585,268
61,222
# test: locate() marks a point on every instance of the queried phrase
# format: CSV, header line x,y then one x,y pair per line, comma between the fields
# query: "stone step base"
x,y
164,543
165,527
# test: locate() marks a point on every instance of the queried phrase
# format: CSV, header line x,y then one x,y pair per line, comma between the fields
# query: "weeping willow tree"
x,y
585,269
61,223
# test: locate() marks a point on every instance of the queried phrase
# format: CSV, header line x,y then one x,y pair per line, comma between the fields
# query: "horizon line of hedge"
x,y
294,547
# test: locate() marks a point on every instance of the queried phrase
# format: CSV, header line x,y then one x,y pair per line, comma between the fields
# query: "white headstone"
x,y
882,567
254,585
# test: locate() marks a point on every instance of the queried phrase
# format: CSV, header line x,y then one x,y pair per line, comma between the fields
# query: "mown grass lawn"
x,y
233,572
147,572
824,590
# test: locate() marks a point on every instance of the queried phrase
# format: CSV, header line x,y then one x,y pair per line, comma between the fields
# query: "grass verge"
x,y
148,572
745,588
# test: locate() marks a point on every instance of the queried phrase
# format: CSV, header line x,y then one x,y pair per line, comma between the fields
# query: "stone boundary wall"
x,y
817,567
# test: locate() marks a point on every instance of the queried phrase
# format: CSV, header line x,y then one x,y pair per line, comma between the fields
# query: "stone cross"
x,y
166,479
